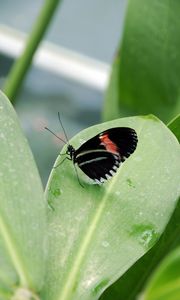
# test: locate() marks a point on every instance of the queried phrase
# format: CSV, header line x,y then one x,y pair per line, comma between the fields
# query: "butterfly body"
x,y
100,157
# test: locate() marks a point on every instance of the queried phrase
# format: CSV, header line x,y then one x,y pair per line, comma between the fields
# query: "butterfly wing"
x,y
99,165
101,155
122,140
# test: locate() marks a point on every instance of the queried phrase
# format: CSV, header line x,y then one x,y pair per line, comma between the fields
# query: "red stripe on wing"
x,y
108,144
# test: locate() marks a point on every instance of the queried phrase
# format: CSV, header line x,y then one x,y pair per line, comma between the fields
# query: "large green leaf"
x,y
22,209
111,104
96,233
127,286
149,65
165,283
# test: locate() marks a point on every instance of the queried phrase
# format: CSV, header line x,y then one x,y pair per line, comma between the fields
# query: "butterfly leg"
x,y
74,169
61,162
78,176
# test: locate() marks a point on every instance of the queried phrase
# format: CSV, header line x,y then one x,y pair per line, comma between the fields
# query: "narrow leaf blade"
x,y
165,282
174,126
22,208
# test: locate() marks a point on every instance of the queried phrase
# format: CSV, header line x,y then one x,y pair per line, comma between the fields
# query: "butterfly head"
x,y
70,151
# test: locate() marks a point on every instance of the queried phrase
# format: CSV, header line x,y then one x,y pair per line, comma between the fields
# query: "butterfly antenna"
x,y
55,135
63,128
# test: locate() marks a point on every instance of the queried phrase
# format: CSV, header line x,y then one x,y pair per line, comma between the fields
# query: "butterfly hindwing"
x,y
99,165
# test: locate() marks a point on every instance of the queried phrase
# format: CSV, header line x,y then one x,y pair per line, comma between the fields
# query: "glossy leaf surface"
x,y
22,209
97,232
128,287
148,63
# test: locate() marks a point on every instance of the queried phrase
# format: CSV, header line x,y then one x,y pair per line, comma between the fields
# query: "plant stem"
x,y
21,66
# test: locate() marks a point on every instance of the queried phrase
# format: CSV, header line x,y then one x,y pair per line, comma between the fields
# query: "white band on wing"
x,y
92,160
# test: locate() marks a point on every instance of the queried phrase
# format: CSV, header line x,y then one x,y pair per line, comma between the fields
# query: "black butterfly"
x,y
100,157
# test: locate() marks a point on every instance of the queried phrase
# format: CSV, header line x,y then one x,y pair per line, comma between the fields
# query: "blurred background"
x,y
70,71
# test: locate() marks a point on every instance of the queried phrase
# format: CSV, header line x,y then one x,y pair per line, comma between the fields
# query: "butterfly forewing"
x,y
101,155
124,138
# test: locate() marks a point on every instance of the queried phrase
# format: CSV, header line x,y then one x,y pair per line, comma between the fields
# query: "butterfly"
x,y
101,156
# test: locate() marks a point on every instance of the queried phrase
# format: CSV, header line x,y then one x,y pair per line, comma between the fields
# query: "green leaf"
x,y
111,105
22,208
128,287
149,64
165,283
96,233
174,126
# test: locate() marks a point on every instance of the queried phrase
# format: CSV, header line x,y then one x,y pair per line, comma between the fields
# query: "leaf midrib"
x,y
68,287
70,280
13,253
